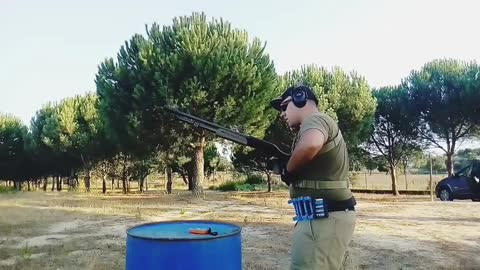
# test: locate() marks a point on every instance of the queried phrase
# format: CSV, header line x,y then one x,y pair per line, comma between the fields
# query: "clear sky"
x,y
50,49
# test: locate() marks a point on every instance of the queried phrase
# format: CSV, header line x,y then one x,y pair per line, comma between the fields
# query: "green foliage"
x,y
253,182
246,160
363,159
206,68
345,97
13,140
394,130
241,186
229,186
26,251
46,160
72,129
446,95
211,158
7,189
250,187
394,135
255,179
464,157
213,71
68,137
438,164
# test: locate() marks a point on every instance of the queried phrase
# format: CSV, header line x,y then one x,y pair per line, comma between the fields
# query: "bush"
x,y
241,186
245,187
228,186
255,179
7,189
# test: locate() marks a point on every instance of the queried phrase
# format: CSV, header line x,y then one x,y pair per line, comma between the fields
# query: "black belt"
x,y
334,206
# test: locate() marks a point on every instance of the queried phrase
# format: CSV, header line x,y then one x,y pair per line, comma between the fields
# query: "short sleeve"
x,y
317,122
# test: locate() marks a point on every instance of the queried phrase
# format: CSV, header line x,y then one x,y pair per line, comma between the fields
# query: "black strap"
x,y
333,206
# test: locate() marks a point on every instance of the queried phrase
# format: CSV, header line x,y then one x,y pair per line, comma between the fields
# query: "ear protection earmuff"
x,y
299,96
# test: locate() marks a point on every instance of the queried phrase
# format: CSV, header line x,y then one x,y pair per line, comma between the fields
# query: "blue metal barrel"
x,y
172,245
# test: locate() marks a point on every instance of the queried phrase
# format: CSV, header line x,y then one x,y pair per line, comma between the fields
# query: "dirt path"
x,y
80,231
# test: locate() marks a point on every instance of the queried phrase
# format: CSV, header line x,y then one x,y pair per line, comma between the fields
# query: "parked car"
x,y
463,185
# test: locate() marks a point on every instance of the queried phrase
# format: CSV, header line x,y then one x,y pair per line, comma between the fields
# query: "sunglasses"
x,y
284,105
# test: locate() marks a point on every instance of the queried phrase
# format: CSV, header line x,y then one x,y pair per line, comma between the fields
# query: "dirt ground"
x,y
87,231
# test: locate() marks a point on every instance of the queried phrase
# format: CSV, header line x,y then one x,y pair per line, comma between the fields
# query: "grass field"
x,y
382,181
75,230
360,180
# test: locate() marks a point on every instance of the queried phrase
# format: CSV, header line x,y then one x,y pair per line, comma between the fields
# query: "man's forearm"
x,y
309,145
301,156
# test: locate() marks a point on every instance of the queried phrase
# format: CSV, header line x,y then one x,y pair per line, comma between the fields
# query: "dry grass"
x,y
65,230
382,181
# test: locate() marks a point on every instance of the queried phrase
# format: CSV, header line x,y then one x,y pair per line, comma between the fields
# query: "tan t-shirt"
x,y
326,166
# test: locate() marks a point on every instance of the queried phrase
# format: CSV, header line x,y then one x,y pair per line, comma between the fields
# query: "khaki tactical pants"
x,y
321,243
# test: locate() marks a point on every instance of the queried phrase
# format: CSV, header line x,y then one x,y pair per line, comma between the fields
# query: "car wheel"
x,y
445,195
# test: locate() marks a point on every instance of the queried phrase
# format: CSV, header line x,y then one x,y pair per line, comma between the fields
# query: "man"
x,y
317,168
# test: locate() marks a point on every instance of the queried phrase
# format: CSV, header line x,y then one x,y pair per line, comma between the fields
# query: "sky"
x,y
50,50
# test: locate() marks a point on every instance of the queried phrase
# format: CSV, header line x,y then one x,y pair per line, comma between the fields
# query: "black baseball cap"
x,y
275,103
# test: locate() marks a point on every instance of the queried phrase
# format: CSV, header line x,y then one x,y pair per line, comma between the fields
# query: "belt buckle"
x,y
307,208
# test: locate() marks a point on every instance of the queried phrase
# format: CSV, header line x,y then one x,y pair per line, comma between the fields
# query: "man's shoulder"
x,y
320,117
318,121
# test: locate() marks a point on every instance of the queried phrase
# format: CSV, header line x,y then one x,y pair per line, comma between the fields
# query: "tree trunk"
x,y
53,183
45,181
184,178
450,163
190,181
59,183
198,168
124,185
113,182
72,180
393,174
169,180
17,185
165,176
28,185
269,182
104,184
88,175
146,183
124,177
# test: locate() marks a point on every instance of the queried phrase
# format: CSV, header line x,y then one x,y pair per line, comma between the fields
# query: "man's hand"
x,y
287,177
279,167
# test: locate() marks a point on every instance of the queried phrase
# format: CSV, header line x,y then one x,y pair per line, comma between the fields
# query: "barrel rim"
x,y
184,239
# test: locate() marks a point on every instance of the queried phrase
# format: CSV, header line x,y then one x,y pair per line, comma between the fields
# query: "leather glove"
x,y
287,177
